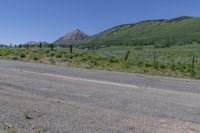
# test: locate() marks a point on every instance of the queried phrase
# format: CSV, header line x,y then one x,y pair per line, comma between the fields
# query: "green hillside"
x,y
178,30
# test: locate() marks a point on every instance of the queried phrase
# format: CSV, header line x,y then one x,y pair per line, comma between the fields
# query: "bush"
x,y
148,64
113,60
51,60
83,58
162,44
22,55
173,67
59,54
94,62
15,58
52,54
36,58
162,66
140,63
138,47
5,52
179,43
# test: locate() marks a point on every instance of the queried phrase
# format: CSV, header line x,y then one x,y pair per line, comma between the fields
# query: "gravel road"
x,y
43,98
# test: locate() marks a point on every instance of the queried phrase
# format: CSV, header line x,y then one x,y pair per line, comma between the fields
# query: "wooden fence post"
x,y
71,49
155,60
27,46
193,66
51,47
127,55
40,45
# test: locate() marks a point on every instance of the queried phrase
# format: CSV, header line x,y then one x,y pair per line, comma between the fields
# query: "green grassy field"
x,y
178,30
176,61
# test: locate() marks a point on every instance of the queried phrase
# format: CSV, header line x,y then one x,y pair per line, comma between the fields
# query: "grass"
x,y
39,129
8,128
147,32
26,115
173,61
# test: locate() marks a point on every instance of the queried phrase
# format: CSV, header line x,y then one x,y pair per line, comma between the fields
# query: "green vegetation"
x,y
8,128
26,115
176,61
161,33
39,128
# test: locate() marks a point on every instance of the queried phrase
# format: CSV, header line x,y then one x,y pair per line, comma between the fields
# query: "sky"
x,y
47,20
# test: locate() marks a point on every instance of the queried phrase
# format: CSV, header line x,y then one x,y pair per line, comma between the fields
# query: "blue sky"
x,y
47,20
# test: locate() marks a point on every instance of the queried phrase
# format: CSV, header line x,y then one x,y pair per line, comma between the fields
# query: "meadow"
x,y
175,61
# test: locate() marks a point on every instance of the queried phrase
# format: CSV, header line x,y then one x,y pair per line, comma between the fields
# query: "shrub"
x,y
148,64
8,128
94,62
22,55
138,47
15,58
162,66
35,58
51,54
179,43
113,60
161,44
140,63
83,58
5,52
59,54
51,60
26,115
173,67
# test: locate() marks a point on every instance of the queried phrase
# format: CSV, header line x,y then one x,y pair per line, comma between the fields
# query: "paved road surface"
x,y
72,100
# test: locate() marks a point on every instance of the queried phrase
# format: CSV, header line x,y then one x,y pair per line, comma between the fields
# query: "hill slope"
x,y
179,29
71,37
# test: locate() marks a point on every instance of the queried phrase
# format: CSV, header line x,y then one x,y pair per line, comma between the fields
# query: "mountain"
x,y
33,43
72,37
183,28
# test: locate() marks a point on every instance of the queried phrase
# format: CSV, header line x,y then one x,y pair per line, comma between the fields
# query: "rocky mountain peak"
x,y
72,36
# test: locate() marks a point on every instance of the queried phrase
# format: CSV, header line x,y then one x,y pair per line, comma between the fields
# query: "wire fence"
x,y
187,62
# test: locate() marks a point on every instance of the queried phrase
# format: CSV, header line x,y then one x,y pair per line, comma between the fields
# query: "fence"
x,y
159,60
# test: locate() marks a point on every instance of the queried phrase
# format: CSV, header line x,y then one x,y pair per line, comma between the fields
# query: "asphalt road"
x,y
73,100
